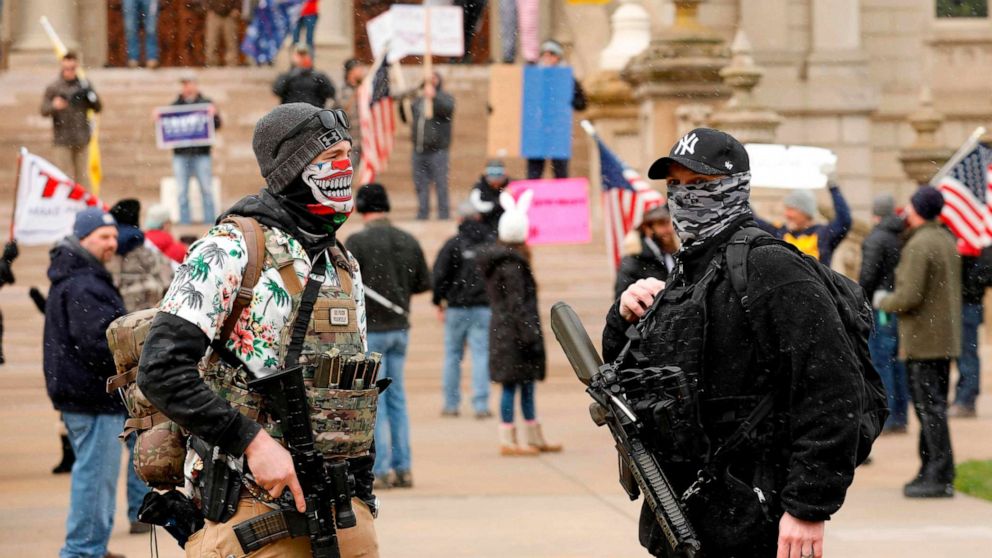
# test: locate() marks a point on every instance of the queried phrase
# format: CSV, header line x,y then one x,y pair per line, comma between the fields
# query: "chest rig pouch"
x,y
662,368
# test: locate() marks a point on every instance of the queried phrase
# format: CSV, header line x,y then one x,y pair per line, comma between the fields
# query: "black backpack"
x,y
855,313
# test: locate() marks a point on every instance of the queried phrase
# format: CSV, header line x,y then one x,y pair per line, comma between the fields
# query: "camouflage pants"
x,y
217,540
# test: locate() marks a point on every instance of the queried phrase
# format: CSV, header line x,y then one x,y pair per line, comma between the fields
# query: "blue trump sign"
x,y
184,126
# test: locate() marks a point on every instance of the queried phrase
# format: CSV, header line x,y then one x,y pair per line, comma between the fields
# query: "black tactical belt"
x,y
268,528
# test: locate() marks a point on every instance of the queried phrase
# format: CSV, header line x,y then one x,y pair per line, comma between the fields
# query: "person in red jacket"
x,y
307,22
158,231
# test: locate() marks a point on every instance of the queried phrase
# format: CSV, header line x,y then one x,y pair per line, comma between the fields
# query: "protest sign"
x,y
184,126
789,166
403,29
559,212
47,202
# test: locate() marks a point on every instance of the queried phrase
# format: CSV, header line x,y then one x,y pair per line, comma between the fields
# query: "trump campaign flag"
x,y
47,201
966,181
626,196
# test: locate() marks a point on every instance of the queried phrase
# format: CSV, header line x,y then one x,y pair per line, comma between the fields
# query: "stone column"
x,y
926,155
334,36
742,116
680,67
28,33
92,17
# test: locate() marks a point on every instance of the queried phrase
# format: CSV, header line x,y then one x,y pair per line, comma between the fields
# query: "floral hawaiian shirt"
x,y
205,286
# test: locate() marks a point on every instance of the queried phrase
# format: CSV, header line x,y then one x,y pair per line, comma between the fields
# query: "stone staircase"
x,y
133,166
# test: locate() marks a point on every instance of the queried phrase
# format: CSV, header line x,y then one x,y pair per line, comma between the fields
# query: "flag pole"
x,y
17,189
588,128
960,154
428,63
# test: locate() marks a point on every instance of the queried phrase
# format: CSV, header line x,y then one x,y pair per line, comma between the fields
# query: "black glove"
x,y
38,298
10,251
6,274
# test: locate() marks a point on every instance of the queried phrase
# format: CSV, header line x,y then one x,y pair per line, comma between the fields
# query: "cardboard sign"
x,y
184,126
559,212
789,166
505,85
403,29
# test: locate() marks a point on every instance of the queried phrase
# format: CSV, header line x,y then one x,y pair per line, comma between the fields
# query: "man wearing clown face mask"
x,y
196,371
785,352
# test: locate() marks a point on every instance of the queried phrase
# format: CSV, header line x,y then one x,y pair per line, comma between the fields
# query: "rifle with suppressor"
x,y
610,407
324,486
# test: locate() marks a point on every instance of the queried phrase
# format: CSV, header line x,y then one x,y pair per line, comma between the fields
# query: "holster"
x,y
220,485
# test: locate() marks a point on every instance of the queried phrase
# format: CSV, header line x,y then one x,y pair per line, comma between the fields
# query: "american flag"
x,y
378,122
968,201
626,197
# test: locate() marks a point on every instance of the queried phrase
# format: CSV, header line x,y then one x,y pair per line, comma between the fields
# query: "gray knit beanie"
x,y
296,152
803,200
883,205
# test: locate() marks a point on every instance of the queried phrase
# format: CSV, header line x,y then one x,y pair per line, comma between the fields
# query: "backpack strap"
x,y
255,247
339,258
736,258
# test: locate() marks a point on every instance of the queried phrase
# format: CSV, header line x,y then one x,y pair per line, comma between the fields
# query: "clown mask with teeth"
x,y
330,184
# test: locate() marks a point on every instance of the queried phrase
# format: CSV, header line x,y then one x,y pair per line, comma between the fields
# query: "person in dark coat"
x,y
775,492
879,258
553,55
652,250
393,269
463,306
67,101
485,194
303,83
431,140
10,253
81,304
976,277
516,344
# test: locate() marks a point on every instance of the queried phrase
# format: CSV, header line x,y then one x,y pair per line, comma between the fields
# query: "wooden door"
x,y
368,9
181,26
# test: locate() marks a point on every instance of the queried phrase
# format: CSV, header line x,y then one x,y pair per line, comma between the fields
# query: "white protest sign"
x,y
403,28
789,166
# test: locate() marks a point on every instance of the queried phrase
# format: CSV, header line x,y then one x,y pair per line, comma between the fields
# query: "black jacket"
x,y
432,135
641,265
393,264
516,343
457,279
880,255
792,344
199,149
81,304
169,378
976,276
488,194
301,85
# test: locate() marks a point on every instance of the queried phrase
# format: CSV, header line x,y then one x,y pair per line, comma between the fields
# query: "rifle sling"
x,y
310,292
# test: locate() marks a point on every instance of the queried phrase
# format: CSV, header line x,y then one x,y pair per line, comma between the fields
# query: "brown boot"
x,y
535,439
508,446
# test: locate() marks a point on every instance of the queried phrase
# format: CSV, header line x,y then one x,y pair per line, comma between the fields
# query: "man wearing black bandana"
x,y
770,496
197,376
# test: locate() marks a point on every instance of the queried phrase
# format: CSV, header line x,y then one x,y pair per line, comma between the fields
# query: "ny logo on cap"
x,y
687,144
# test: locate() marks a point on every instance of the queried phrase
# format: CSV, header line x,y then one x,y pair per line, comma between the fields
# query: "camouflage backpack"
x,y
160,447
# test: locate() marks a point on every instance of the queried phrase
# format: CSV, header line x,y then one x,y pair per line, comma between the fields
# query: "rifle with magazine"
x,y
639,468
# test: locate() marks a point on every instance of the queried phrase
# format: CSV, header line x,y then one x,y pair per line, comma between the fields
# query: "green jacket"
x,y
928,295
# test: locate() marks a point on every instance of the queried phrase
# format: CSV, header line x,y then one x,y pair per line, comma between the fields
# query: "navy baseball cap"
x,y
704,151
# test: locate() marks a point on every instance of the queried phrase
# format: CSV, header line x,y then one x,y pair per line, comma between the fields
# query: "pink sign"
x,y
559,213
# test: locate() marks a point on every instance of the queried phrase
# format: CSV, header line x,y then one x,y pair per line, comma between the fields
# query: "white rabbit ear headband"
x,y
518,206
507,202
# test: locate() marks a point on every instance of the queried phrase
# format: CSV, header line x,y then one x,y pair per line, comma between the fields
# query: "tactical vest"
x,y
343,420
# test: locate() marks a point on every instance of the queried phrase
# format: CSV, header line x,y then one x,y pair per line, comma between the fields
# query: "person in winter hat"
x,y
649,250
927,299
82,301
800,227
516,344
303,154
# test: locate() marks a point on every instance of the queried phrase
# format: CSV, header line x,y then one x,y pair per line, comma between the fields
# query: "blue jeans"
x,y
136,488
392,426
969,367
136,11
526,401
466,324
884,347
307,23
183,166
94,482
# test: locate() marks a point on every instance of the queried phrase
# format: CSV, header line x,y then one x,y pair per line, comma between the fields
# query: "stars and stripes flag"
x,y
626,197
377,119
967,190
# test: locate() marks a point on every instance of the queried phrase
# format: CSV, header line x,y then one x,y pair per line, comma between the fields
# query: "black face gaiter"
x,y
318,230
